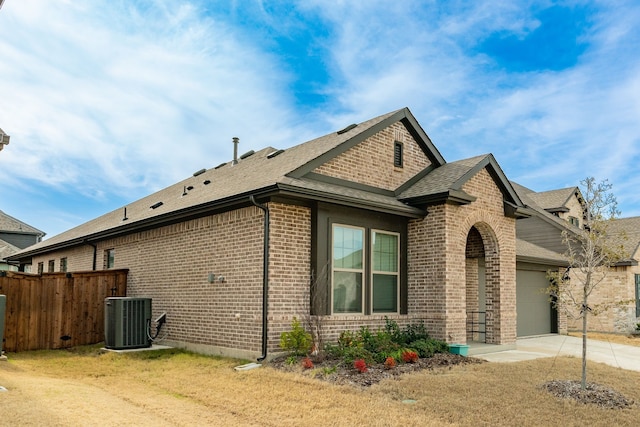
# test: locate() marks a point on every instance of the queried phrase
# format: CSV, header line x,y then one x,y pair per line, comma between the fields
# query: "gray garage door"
x,y
534,309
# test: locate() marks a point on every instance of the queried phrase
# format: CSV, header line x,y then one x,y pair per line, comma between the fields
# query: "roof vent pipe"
x,y
236,140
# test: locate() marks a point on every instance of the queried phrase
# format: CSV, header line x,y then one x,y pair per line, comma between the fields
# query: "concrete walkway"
x,y
617,355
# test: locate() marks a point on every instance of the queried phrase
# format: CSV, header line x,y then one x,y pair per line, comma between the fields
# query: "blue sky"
x,y
108,101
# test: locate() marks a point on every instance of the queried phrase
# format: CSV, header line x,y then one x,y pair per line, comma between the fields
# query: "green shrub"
x,y
405,336
429,347
297,341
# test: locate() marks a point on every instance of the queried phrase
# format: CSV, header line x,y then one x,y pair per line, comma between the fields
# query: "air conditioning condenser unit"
x,y
126,322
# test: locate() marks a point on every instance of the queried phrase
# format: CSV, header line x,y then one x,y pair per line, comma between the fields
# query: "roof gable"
x,y
10,224
445,184
352,135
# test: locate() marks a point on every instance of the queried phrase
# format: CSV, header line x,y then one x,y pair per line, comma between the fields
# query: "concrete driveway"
x,y
617,355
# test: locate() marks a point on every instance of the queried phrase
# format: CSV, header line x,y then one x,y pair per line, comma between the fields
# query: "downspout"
x,y
265,278
95,253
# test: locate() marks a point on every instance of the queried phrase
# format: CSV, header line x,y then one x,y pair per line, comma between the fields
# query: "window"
x,y
40,267
348,269
385,274
637,295
353,261
52,266
574,221
109,258
63,265
397,154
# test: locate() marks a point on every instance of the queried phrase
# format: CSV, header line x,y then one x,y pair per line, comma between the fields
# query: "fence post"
x,y
3,308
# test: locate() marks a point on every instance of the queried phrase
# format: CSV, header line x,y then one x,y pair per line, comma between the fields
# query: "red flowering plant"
x,y
409,356
307,363
389,363
360,365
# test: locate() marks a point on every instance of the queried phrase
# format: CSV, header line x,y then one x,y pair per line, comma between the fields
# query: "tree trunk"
x,y
584,345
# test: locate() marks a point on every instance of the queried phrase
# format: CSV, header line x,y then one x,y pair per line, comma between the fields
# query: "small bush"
x,y
297,341
360,365
428,347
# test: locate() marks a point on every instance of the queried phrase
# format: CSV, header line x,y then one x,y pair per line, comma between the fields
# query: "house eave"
x,y
542,261
455,197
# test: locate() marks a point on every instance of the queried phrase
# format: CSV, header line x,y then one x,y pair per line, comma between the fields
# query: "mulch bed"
x,y
593,394
333,371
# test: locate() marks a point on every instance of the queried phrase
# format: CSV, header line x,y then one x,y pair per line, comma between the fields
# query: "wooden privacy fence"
x,y
57,310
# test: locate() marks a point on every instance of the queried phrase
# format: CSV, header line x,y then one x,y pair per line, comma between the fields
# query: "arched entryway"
x,y
482,280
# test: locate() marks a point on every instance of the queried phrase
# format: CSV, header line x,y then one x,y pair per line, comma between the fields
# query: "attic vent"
x,y
207,182
347,129
247,154
220,165
200,172
397,154
275,153
156,205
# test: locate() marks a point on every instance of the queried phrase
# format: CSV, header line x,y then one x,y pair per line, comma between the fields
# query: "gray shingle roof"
x,y
7,249
442,179
229,182
626,232
13,225
526,251
553,199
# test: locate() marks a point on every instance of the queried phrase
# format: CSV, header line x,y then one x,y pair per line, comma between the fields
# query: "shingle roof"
x,y
553,199
626,232
13,225
526,251
449,179
227,183
7,249
528,197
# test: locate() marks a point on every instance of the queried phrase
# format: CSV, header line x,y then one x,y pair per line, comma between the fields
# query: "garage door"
x,y
532,304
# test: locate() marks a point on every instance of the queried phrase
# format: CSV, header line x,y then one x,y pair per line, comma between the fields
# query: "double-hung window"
x,y
365,272
348,269
385,272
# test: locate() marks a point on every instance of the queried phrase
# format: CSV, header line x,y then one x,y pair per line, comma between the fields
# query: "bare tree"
x,y
311,317
591,252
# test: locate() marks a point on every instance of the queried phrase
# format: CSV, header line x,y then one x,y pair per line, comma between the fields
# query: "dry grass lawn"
x,y
84,387
612,338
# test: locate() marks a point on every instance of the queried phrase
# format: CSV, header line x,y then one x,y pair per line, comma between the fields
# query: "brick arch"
x,y
489,294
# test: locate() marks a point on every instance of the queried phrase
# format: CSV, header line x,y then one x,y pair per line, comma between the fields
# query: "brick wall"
x,y
618,286
437,264
371,161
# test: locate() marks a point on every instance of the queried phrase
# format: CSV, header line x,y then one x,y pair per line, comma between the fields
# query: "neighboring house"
x,y
357,226
622,283
4,138
561,210
14,236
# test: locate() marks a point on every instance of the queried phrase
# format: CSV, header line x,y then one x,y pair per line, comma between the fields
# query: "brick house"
x,y
561,210
356,226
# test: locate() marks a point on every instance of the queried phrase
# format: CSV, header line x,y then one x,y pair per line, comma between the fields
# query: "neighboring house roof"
x,y
528,252
7,249
626,232
555,200
288,173
528,196
12,225
4,138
